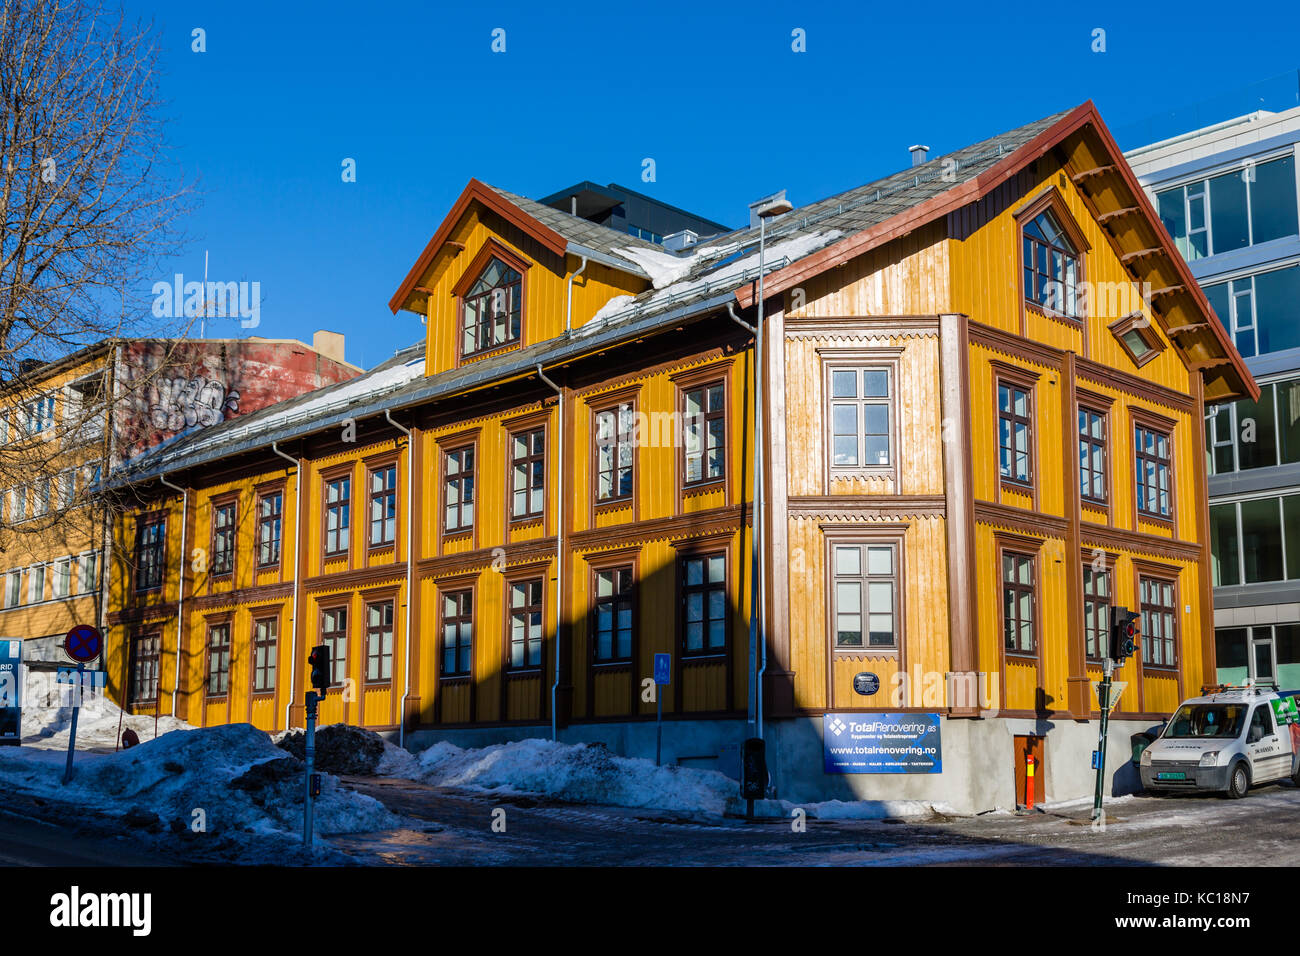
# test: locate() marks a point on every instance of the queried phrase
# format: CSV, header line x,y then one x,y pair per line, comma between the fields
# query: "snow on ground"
x,y
97,725
871,809
578,773
232,778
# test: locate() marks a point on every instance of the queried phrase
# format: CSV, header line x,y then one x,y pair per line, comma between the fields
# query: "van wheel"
x,y
1238,782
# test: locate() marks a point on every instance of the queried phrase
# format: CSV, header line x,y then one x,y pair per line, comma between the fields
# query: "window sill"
x,y
706,484
619,663
335,555
386,682
1162,520
262,694
866,651
388,546
614,504
1022,655
704,655
525,521
1040,309
524,671
457,535
1168,670
269,566
467,358
455,678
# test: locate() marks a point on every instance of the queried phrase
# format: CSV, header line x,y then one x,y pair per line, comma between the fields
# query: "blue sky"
x,y
712,91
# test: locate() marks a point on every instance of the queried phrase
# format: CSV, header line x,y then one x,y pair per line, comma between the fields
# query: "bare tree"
x,y
89,206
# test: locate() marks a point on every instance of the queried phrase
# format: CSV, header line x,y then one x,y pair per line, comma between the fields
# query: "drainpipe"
x,y
568,305
559,539
757,605
180,594
410,557
297,567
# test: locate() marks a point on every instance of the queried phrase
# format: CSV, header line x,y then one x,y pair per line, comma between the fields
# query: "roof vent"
x,y
680,241
919,154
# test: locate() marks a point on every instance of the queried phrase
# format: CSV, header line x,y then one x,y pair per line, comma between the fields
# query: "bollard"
x,y
1029,781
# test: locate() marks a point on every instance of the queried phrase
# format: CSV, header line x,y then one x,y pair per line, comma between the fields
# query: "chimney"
x,y
919,154
681,241
328,344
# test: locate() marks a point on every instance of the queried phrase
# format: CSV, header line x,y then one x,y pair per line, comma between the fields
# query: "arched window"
x,y
1051,266
492,309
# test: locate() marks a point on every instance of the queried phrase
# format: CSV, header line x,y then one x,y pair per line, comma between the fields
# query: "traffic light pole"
x,y
1108,668
310,755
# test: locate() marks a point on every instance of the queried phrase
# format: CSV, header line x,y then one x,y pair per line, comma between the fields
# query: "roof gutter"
x,y
410,577
297,576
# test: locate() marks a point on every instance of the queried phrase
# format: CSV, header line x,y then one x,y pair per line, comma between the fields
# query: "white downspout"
x,y
180,585
559,538
410,578
568,304
297,565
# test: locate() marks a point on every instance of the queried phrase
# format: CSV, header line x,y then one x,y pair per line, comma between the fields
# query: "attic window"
x,y
1137,337
1051,266
492,308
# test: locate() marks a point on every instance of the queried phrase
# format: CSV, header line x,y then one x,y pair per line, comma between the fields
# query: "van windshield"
x,y
1206,720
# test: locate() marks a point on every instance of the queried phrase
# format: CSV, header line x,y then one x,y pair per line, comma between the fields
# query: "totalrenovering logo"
x,y
222,300
838,726
74,909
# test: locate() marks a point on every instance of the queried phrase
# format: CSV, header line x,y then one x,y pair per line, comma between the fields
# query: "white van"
x,y
1228,741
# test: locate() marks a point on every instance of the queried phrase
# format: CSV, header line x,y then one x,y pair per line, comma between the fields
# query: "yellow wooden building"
x,y
982,384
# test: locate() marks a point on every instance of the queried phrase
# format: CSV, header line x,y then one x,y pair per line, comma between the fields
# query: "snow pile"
x,y
577,773
241,782
348,749
663,268
97,725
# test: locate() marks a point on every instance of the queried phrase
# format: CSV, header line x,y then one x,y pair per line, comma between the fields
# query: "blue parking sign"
x,y
663,668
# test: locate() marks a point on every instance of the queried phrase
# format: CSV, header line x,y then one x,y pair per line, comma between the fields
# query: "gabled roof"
x,y
802,243
557,231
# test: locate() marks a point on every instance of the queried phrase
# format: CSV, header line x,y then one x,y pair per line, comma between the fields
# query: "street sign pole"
x,y
1103,698
310,755
72,733
663,677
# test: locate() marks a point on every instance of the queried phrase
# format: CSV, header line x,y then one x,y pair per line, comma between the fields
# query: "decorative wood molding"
x,y
869,507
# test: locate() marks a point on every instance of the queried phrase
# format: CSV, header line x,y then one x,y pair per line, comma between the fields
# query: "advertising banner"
x,y
881,743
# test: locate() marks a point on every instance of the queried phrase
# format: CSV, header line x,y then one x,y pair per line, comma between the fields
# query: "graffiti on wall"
x,y
178,403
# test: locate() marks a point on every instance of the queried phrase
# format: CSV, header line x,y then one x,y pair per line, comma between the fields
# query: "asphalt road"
x,y
457,828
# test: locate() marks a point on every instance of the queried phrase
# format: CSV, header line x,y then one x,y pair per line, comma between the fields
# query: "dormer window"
x,y
492,308
1051,266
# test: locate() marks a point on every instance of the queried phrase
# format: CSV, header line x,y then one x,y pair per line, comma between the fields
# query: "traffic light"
x,y
319,659
1124,631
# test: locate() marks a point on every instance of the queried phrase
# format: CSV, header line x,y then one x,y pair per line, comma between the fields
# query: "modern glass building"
x,y
1228,196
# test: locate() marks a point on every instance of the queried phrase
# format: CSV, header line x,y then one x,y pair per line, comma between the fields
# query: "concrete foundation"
x,y
979,757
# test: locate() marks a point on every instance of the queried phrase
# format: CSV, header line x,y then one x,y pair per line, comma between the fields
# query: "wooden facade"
x,y
925,314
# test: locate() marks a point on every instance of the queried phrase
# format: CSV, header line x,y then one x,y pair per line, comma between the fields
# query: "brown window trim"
x,y
493,248
615,563
445,452
528,429
323,610
264,493
457,590
212,624
1026,547
833,359
1086,408
532,575
879,533
612,402
215,505
1026,380
372,467
1151,421
274,641
1103,637
142,522
327,478
1164,575
155,655
704,548
714,378
1137,322
1050,198
389,599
